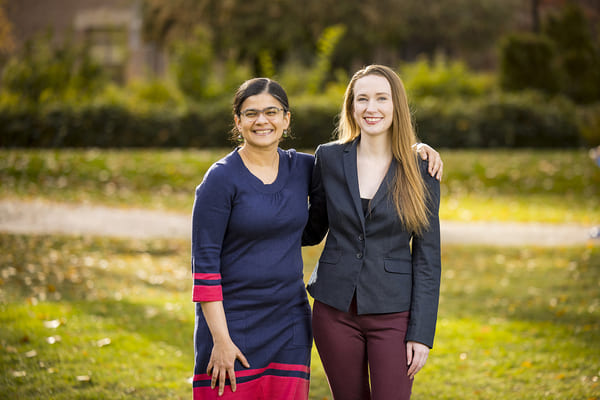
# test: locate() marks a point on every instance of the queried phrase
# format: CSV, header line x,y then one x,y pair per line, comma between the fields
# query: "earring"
x,y
240,138
285,133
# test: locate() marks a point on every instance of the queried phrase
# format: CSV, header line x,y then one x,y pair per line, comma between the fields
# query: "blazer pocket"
x,y
398,266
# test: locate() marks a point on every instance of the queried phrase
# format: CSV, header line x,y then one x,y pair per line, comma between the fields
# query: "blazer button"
x,y
361,237
359,255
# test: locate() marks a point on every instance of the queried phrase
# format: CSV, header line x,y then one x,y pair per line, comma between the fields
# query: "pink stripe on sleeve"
x,y
207,293
208,277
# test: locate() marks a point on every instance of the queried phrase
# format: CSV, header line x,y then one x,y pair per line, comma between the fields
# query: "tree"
x,y
527,61
578,55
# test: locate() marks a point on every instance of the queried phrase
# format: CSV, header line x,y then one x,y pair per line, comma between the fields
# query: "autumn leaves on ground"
x,y
105,318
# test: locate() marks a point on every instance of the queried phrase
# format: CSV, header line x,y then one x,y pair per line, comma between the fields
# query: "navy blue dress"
x,y
246,251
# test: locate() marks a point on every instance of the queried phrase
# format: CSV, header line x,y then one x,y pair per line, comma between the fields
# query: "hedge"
x,y
506,120
522,120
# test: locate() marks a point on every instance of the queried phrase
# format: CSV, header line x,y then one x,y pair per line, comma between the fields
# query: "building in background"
x,y
110,29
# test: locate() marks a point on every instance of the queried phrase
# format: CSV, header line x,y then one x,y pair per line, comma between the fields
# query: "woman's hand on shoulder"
x,y
436,165
222,362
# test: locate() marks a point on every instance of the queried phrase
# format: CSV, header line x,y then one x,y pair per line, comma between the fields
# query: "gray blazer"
x,y
372,256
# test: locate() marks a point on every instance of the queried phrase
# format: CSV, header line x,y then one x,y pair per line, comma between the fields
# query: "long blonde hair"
x,y
409,191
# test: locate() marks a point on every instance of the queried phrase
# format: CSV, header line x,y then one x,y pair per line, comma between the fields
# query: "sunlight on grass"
x,y
503,185
86,317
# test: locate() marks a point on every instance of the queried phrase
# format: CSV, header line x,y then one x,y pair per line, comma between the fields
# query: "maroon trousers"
x,y
351,346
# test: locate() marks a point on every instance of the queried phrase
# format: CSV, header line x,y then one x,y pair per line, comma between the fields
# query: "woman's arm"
x,y
224,352
318,222
426,266
210,217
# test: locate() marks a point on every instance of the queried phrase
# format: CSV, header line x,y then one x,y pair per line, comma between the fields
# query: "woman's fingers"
x,y
416,356
222,377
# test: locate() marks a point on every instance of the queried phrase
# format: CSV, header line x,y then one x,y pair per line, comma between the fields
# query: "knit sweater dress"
x,y
246,252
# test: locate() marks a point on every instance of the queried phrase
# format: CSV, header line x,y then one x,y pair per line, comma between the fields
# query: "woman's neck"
x,y
260,157
379,146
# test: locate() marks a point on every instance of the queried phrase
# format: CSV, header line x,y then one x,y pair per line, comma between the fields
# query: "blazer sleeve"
x,y
426,266
318,222
210,217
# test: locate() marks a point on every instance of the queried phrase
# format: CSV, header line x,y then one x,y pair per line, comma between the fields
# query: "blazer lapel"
x,y
385,186
351,174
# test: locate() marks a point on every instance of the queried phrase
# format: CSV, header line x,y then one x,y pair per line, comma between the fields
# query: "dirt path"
x,y
43,217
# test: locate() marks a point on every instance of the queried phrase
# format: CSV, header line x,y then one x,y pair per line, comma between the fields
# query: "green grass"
x,y
502,185
514,323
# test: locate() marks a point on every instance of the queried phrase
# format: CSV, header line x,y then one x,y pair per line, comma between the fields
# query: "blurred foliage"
x,y
192,63
45,73
444,79
500,120
55,96
291,29
325,48
528,61
522,119
564,58
589,123
577,55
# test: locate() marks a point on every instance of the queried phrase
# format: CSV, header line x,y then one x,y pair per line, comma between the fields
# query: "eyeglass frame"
x,y
243,113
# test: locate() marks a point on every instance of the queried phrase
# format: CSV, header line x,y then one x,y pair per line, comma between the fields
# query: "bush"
x,y
528,61
578,54
116,125
192,63
508,120
441,78
588,118
44,73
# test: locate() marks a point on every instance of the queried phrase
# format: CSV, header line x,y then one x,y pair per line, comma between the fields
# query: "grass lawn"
x,y
99,318
484,185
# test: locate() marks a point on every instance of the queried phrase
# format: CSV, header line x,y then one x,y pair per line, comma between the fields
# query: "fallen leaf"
x,y
19,374
83,378
53,339
52,324
526,364
11,349
31,354
103,342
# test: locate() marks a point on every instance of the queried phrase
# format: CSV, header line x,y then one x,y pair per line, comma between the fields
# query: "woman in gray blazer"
x,y
376,285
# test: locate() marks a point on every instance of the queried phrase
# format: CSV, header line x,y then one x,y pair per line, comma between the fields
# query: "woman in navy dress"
x,y
253,325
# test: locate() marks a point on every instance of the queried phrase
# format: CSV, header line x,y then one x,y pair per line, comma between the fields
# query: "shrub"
x,y
578,55
44,72
441,78
588,119
192,63
528,61
506,120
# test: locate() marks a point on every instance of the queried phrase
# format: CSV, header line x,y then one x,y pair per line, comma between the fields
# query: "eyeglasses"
x,y
270,112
